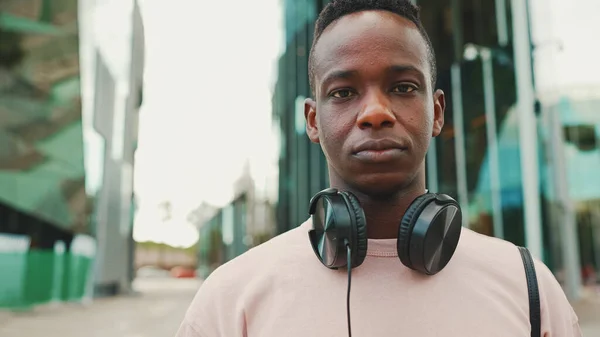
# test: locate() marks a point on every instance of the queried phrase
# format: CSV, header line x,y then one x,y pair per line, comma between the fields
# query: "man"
x,y
374,111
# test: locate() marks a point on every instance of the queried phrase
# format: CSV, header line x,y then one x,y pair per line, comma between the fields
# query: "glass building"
x,y
41,156
65,201
518,151
43,203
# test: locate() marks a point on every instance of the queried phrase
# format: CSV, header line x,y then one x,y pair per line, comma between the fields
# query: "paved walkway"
x,y
156,311
588,311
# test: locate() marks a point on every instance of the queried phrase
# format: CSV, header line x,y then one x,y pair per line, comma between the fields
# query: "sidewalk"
x,y
156,311
588,311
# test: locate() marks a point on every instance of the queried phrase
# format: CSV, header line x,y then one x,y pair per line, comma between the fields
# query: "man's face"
x,y
375,109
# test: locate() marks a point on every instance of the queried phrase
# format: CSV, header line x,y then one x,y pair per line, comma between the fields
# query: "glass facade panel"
x,y
41,142
302,170
478,159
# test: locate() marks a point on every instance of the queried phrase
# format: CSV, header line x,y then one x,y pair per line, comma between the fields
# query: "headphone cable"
x,y
349,283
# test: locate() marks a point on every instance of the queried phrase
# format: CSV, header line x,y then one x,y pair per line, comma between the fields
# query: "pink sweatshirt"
x,y
280,289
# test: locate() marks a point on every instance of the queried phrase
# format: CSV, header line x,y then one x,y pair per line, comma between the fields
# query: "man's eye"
x,y
404,88
342,94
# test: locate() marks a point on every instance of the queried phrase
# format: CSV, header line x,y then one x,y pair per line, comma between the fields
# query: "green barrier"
x,y
40,274
59,271
13,263
76,277
33,277
11,284
79,273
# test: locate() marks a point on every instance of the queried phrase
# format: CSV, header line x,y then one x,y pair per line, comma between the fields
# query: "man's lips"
x,y
381,150
379,145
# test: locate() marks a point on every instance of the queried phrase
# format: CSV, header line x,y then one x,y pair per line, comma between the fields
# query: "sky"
x,y
565,36
207,107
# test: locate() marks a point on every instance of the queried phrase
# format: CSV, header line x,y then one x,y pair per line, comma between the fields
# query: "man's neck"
x,y
383,215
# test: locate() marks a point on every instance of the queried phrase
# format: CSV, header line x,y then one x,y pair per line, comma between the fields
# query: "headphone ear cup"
x,y
406,227
361,230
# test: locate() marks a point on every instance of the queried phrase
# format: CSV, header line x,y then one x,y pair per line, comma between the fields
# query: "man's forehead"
x,y
372,35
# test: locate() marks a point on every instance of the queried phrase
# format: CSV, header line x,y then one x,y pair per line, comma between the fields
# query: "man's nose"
x,y
375,114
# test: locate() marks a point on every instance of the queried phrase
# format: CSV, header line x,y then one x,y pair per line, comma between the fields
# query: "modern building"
x,y
65,200
519,149
112,54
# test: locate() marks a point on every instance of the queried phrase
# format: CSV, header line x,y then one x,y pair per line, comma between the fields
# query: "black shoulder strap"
x,y
534,293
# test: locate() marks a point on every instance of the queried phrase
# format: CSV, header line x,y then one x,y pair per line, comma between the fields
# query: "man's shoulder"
x,y
228,288
477,247
502,260
279,250
492,258
495,252
475,240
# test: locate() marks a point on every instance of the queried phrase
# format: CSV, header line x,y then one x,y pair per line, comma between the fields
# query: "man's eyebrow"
x,y
338,75
406,68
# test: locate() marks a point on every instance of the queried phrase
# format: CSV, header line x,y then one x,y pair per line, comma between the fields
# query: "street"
x,y
156,311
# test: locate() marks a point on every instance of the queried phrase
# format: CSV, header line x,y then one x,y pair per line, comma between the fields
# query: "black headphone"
x,y
427,237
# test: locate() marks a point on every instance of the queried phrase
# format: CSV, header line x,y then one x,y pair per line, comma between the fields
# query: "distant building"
x,y
248,220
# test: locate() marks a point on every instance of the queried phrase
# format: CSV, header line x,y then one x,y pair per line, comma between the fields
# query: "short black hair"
x,y
337,9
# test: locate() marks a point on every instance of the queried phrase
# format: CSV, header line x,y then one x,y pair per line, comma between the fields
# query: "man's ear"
x,y
439,107
310,113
